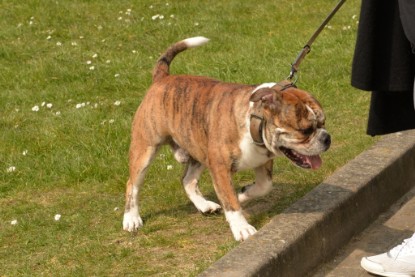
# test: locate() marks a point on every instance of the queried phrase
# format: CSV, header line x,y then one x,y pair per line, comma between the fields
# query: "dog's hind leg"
x,y
190,180
140,159
262,185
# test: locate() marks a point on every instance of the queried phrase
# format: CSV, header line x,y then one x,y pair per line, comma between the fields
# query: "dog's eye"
x,y
307,131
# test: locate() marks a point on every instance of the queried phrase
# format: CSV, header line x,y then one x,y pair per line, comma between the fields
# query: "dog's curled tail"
x,y
163,64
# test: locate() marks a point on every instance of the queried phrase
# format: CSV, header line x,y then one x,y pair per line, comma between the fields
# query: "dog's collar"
x,y
256,129
257,121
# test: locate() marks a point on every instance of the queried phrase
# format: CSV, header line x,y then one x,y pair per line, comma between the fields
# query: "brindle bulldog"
x,y
224,127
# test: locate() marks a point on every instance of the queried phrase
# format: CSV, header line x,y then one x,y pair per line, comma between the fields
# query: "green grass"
x,y
75,161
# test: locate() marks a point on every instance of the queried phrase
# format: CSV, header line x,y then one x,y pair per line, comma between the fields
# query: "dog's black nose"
x,y
326,140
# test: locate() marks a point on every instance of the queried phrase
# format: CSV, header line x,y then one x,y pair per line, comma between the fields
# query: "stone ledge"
x,y
313,228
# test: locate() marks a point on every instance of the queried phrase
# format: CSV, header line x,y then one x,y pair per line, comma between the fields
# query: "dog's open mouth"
x,y
301,160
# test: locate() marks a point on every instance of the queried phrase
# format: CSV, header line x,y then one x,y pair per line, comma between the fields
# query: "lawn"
x,y
72,74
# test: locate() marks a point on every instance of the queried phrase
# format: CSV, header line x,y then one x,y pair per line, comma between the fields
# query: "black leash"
x,y
307,47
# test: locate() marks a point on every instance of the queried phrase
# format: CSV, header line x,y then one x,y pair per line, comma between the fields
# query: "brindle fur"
x,y
206,120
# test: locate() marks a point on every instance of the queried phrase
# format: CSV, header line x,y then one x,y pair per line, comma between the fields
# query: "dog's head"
x,y
293,124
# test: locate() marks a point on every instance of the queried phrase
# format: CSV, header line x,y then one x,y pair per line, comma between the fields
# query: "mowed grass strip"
x,y
73,73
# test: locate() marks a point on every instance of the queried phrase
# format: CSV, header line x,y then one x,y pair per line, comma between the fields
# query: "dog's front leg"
x,y
262,185
222,180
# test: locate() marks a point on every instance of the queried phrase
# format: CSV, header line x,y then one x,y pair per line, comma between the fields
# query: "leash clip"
x,y
296,64
307,48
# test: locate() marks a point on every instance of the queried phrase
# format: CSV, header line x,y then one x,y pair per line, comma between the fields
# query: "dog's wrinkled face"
x,y
294,125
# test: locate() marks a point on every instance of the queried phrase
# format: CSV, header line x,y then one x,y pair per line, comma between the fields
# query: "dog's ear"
x,y
269,97
264,94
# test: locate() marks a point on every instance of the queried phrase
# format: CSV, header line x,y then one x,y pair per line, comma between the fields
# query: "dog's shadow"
x,y
262,209
259,210
185,209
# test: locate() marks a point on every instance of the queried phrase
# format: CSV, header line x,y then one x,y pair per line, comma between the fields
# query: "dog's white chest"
x,y
252,155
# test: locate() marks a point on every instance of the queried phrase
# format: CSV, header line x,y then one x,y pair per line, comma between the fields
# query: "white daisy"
x,y
80,105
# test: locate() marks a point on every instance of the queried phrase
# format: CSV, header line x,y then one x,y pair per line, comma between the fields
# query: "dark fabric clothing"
x,y
384,62
391,112
383,59
407,13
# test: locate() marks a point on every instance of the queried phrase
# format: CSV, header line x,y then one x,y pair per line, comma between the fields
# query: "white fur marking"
x,y
198,200
264,85
195,41
255,190
193,192
311,111
252,155
132,221
240,228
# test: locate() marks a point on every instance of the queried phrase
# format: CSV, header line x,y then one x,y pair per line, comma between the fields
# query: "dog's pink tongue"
x,y
314,161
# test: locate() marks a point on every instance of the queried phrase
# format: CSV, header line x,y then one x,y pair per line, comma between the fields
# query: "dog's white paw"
x,y
243,195
209,207
242,232
131,222
254,190
240,228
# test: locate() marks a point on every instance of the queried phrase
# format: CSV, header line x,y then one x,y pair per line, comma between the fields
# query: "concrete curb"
x,y
294,242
